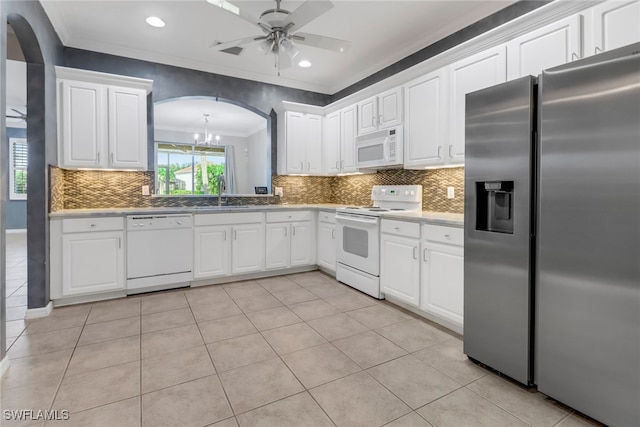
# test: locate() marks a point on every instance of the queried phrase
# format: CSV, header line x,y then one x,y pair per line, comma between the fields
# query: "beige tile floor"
x,y
16,284
316,353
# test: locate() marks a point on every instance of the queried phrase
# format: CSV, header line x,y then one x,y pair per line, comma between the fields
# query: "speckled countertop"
x,y
437,218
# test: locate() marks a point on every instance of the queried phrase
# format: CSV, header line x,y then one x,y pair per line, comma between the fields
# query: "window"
x,y
179,168
18,168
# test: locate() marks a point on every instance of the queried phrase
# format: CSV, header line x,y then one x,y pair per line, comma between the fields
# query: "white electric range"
x,y
358,227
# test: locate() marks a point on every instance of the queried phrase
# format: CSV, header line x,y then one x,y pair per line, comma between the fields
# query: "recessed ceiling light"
x,y
304,64
154,21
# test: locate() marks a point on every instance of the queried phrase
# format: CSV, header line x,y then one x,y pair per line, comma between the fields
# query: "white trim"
x,y
16,231
4,365
34,313
104,78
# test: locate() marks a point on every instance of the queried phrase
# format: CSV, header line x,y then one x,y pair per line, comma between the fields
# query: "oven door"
x,y
358,242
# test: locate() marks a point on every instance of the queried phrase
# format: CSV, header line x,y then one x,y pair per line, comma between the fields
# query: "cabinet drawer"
x,y
288,216
228,218
438,233
329,217
83,225
401,228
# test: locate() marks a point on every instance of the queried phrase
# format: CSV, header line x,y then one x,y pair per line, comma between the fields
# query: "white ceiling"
x,y
186,115
380,32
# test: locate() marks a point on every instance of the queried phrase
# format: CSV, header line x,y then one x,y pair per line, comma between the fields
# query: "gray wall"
x,y
42,50
16,209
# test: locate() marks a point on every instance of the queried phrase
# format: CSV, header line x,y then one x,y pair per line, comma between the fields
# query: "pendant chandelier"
x,y
208,137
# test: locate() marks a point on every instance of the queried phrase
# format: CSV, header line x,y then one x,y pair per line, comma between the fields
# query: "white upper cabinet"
x,y
348,121
331,144
302,144
425,109
102,120
127,128
82,122
381,111
610,25
479,71
546,47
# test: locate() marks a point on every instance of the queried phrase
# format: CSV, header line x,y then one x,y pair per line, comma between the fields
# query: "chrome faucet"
x,y
222,185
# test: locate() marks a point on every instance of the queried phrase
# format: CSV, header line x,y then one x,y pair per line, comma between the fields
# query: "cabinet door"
x,y
613,24
400,268
331,144
212,247
92,262
313,139
127,128
390,108
327,246
302,244
248,248
278,246
82,119
367,115
443,281
425,120
476,72
546,47
348,131
296,137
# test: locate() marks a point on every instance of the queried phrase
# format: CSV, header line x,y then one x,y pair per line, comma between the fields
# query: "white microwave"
x,y
380,149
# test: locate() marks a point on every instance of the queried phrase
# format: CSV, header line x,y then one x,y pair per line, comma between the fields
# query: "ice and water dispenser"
x,y
494,206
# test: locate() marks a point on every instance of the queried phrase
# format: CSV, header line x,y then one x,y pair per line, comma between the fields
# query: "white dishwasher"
x,y
159,252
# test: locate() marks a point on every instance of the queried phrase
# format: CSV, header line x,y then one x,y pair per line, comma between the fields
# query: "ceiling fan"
x,y
280,28
20,115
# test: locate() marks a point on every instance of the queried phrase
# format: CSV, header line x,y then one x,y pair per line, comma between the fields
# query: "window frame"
x,y
12,169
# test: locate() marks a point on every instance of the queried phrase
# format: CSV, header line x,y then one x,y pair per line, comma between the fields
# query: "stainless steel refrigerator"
x,y
552,233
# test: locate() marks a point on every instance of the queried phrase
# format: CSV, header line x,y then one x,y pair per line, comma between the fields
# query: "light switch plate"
x,y
451,193
145,190
278,192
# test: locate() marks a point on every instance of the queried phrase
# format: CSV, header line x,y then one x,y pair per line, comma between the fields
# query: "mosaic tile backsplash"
x,y
73,189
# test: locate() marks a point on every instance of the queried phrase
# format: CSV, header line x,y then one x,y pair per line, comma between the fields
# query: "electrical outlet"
x,y
451,192
279,192
145,190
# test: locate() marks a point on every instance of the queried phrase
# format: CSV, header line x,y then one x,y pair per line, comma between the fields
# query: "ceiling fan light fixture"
x,y
265,46
304,63
154,21
289,48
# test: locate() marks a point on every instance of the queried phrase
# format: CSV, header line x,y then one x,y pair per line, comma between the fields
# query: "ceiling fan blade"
x,y
233,43
307,12
236,10
322,42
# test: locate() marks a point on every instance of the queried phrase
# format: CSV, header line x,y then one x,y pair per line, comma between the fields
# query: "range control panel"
x,y
399,193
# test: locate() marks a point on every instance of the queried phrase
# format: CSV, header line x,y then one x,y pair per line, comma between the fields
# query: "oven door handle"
x,y
373,221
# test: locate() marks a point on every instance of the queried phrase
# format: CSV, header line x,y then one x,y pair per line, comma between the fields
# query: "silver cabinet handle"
x,y
448,236
396,228
415,248
574,56
293,230
98,158
333,234
301,166
285,231
337,164
424,255
92,226
450,147
341,164
111,158
179,222
439,148
225,235
235,235
308,166
119,242
598,50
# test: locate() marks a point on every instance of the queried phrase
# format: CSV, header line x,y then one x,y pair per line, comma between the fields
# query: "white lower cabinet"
x,y
327,241
290,239
442,290
87,256
212,250
228,243
400,266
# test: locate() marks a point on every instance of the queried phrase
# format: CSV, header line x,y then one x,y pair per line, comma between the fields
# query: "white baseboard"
x,y
4,365
34,313
17,231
